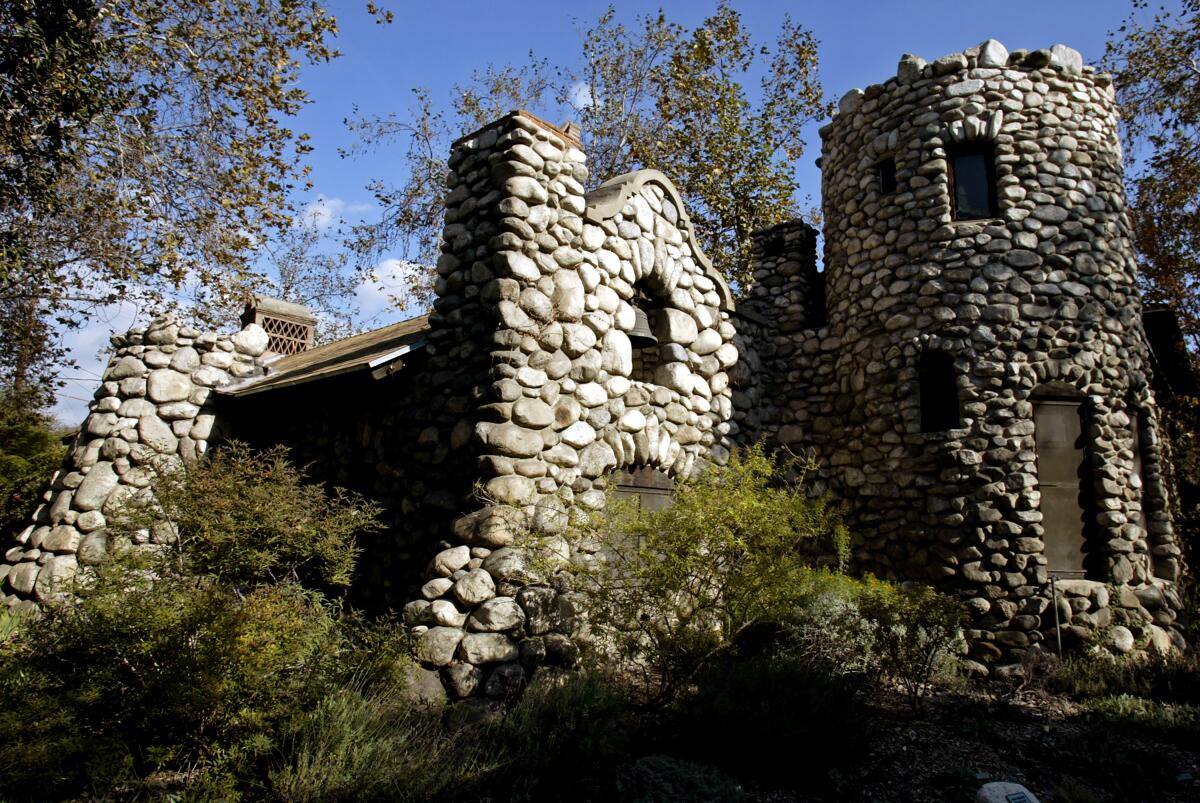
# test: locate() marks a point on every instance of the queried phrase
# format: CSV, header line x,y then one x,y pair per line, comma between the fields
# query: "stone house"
x,y
970,370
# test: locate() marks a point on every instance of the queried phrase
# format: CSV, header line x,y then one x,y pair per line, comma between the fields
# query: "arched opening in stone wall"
x,y
1062,481
938,392
643,342
972,180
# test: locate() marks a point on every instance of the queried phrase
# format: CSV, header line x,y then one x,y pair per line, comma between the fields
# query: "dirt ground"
x,y
959,741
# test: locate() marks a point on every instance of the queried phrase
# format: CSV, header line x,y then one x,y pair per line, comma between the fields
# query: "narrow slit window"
x,y
973,182
939,392
885,175
1138,478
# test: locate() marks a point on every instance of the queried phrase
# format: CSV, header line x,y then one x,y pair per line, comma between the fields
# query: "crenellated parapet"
x,y
982,378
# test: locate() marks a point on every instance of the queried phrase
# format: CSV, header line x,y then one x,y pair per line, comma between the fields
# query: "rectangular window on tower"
x,y
885,176
973,181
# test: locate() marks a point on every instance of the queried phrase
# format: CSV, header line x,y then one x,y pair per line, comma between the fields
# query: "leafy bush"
x,y
774,718
563,738
1171,677
368,743
681,586
174,662
246,518
29,454
663,779
1137,713
912,630
166,672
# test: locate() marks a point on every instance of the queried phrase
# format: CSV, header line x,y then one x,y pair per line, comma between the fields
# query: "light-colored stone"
x,y
532,413
55,577
185,360
675,326
568,296
993,54
474,587
155,433
21,578
178,411
437,645
95,488
488,648
512,565
251,341
579,434
495,615
1120,639
448,561
64,538
126,367
446,613
165,385
1004,792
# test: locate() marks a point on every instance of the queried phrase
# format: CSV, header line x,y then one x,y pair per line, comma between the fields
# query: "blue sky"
x,y
437,45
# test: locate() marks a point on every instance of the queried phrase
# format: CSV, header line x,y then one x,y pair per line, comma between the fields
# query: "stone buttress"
x,y
569,399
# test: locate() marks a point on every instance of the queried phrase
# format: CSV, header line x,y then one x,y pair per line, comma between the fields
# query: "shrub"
x,y
680,586
774,718
365,742
173,662
658,779
1131,713
1172,677
166,672
29,454
912,630
246,517
564,737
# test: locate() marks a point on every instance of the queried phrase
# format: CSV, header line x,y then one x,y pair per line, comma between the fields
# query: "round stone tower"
x,y
992,426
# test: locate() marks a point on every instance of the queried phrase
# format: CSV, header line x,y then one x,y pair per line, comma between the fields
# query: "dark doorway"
x,y
939,392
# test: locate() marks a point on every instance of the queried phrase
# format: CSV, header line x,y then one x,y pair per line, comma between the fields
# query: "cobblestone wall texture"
x,y
529,392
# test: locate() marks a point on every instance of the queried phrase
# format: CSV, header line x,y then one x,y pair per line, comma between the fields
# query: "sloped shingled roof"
x,y
340,357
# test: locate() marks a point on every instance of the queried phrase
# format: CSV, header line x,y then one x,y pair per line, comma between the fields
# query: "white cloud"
x,y
321,213
388,280
580,96
325,212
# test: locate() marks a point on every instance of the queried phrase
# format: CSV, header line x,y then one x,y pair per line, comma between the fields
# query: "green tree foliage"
x,y
172,660
145,148
49,88
1156,66
247,518
648,95
681,586
732,158
29,454
911,630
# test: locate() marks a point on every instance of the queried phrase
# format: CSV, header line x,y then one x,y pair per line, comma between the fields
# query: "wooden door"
x,y
1060,456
